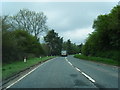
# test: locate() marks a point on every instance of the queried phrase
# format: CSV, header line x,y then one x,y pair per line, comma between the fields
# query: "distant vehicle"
x,y
63,53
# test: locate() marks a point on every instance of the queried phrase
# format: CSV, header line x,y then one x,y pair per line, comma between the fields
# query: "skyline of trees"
x,y
19,41
30,21
106,36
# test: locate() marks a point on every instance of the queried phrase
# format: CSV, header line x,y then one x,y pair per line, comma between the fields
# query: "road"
x,y
69,72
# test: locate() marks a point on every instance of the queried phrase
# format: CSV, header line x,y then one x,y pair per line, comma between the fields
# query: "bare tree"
x,y
31,21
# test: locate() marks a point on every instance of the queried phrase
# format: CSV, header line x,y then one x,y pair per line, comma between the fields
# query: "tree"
x,y
105,37
69,46
28,44
31,21
9,46
19,44
80,48
54,42
5,25
114,27
46,49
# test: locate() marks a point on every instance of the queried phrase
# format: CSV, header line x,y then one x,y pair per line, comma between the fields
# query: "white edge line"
x,y
26,75
88,77
22,77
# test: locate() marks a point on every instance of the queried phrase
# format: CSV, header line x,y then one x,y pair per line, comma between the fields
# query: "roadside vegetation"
x,y
104,41
21,35
98,59
15,67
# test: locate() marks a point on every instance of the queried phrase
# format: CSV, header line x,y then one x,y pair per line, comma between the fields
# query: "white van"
x,y
63,53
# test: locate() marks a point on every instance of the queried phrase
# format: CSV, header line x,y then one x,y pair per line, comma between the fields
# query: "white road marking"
x,y
88,77
92,80
26,74
22,77
78,69
68,61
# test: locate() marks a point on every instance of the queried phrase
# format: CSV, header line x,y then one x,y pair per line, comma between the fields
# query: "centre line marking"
x,y
92,80
70,63
88,77
78,69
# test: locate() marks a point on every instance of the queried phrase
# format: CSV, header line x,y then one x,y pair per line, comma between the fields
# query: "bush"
x,y
104,41
112,54
19,44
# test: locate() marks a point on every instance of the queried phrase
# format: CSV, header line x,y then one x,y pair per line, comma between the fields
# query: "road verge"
x,y
98,59
14,70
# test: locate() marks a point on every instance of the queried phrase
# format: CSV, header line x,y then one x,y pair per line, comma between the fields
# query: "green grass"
x,y
98,59
15,67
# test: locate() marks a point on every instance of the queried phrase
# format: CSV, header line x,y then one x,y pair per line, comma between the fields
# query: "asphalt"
x,y
58,73
106,76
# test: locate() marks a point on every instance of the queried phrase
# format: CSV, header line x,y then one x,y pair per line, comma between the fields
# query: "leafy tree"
x,y
8,41
9,46
114,27
71,48
34,23
5,25
54,42
105,38
17,35
80,48
19,44
28,43
46,49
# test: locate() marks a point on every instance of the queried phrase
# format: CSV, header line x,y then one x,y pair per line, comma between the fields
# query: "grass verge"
x,y
15,67
98,59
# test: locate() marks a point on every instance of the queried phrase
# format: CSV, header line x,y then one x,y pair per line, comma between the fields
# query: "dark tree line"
x,y
19,44
105,40
20,37
71,48
55,44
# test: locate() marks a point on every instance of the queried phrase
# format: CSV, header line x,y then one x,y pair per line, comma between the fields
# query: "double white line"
x,y
91,79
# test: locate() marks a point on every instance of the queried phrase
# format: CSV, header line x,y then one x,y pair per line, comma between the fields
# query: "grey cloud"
x,y
80,15
66,16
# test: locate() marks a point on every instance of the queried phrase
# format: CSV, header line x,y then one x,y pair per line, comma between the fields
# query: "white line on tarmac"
x,y
78,69
88,77
92,80
68,61
26,74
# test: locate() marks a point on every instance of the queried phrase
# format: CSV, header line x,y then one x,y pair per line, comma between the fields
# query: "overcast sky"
x,y
71,20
